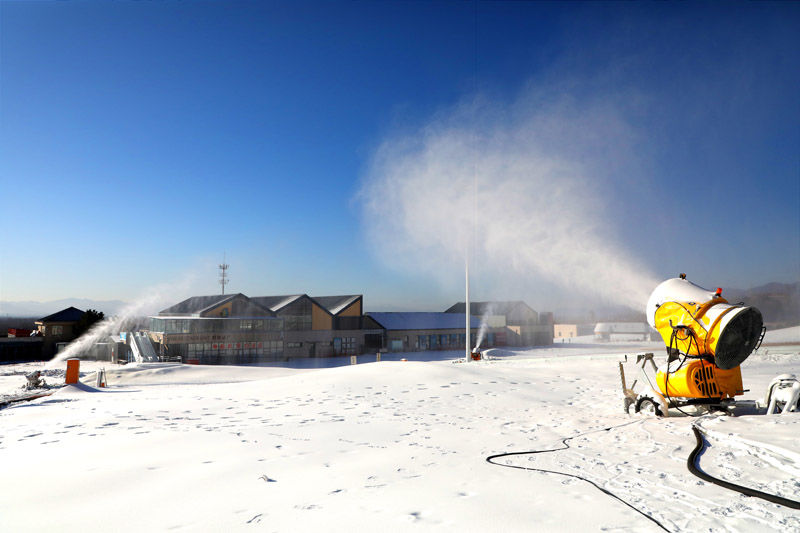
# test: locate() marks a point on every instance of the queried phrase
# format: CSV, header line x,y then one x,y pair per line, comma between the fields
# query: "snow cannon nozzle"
x,y
701,324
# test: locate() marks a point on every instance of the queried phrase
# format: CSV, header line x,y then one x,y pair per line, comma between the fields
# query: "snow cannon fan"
x,y
706,338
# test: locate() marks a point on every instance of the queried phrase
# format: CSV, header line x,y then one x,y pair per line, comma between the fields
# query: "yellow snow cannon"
x,y
702,324
706,338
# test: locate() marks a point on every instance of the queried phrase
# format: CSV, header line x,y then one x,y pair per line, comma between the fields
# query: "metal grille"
x,y
705,382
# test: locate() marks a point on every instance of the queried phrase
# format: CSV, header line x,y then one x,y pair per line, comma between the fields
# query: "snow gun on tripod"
x,y
706,339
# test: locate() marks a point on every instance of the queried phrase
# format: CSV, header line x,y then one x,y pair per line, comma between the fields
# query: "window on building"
x,y
349,345
297,315
297,322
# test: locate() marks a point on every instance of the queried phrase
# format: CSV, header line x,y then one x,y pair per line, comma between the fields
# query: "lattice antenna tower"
x,y
223,274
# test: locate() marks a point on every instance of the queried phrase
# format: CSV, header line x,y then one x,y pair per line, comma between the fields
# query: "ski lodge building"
x,y
416,332
237,329
231,329
512,323
623,331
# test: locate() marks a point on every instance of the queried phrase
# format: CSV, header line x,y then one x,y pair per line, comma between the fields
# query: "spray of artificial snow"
x,y
153,299
484,328
539,172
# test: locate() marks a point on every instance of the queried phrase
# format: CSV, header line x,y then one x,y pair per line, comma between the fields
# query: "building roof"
x,y
621,327
276,303
70,314
404,321
196,304
496,308
336,304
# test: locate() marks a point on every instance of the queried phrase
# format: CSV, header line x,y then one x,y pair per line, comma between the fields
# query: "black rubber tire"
x,y
648,405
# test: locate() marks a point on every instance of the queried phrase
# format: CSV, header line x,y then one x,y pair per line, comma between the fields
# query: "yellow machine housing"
x,y
700,379
727,333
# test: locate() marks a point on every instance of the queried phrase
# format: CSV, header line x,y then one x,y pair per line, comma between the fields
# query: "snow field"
x,y
386,446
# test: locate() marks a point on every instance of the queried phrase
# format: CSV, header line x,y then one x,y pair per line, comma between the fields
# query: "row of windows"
x,y
432,342
344,346
297,322
234,348
213,325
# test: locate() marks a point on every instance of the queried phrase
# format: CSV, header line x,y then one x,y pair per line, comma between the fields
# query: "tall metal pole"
x,y
473,245
469,340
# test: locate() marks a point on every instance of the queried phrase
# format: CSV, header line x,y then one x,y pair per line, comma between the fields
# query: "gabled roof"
x,y
496,308
196,304
70,314
402,321
276,303
336,304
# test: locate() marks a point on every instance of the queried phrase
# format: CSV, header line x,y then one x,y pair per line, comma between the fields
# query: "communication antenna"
x,y
223,273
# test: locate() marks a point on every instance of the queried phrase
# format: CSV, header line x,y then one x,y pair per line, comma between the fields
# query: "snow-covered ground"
x,y
390,446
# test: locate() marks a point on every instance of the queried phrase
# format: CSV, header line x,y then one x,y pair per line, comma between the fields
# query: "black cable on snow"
x,y
491,458
691,463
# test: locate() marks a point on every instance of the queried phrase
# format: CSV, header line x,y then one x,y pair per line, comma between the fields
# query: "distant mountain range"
x,y
779,303
42,309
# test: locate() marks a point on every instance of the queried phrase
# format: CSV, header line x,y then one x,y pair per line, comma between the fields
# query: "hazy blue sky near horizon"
x,y
142,140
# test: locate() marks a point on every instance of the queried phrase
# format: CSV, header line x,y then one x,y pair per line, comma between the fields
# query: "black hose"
x,y
491,458
691,462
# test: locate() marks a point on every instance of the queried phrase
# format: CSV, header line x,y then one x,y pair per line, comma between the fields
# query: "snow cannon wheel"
x,y
648,406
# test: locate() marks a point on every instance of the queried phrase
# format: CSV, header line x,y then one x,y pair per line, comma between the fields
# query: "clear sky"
x,y
142,140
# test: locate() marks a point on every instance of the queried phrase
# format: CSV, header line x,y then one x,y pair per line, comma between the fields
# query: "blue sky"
x,y
142,140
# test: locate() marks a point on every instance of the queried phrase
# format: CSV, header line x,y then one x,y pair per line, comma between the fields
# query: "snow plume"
x,y
484,325
540,172
150,301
